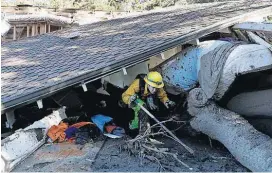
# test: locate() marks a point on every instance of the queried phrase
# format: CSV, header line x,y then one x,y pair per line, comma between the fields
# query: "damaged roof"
x,y
30,18
38,66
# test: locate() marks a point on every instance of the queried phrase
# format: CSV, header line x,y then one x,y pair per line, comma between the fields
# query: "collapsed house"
x,y
22,25
84,57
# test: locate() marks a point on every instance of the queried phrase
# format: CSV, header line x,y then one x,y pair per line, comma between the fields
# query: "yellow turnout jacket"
x,y
134,88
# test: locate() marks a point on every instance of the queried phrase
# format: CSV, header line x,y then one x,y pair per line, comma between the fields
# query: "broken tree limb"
x,y
146,147
166,129
249,146
167,153
258,40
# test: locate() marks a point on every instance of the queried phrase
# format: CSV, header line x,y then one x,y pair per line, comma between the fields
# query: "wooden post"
x,y
27,31
61,28
48,27
33,29
41,29
36,30
10,119
14,32
45,28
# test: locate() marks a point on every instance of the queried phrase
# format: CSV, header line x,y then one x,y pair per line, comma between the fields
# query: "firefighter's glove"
x,y
132,99
169,104
150,103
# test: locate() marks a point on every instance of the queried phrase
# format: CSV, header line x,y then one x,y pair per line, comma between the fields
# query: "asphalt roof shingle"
x,y
46,63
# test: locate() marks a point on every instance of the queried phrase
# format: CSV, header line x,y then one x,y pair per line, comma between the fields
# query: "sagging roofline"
x,y
34,18
143,56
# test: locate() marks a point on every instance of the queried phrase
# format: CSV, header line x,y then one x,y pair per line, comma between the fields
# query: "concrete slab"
x,y
61,157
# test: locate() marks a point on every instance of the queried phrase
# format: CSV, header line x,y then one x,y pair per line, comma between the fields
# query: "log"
x,y
250,147
254,103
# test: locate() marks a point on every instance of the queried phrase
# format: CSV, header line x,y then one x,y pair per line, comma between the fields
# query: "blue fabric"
x,y
118,131
183,72
70,132
100,121
82,137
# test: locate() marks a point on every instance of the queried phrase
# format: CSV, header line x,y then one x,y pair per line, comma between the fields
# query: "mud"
x,y
206,158
61,157
250,147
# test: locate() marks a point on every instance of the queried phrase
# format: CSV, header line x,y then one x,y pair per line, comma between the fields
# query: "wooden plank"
x,y
14,32
27,31
253,26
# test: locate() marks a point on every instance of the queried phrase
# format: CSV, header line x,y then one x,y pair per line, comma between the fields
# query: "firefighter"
x,y
147,88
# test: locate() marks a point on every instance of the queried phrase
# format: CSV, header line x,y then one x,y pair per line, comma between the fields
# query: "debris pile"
x,y
144,146
211,77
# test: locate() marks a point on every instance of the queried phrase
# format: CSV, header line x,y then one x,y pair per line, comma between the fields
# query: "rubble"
x,y
23,142
207,71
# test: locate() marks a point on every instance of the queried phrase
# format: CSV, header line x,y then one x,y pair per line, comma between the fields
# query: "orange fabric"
x,y
110,128
78,125
72,140
57,132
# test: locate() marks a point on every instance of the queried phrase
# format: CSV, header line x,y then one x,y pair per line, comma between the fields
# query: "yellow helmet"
x,y
154,79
